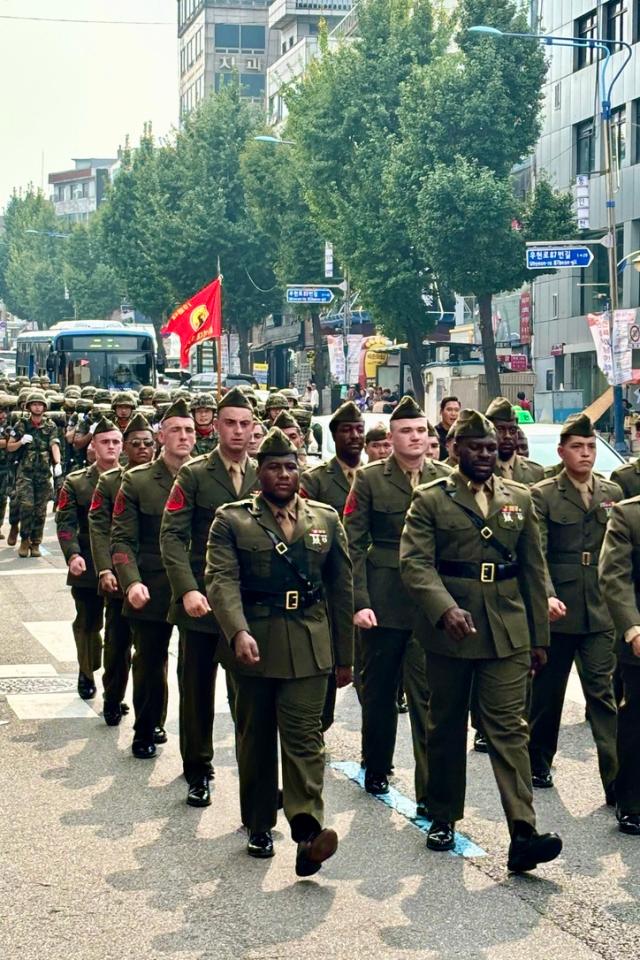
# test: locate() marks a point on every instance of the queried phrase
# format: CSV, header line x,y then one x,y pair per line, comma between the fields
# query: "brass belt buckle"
x,y
586,558
487,572
291,600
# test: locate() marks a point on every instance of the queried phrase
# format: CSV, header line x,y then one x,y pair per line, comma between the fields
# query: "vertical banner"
x,y
354,341
601,333
335,346
224,355
623,320
525,316
234,353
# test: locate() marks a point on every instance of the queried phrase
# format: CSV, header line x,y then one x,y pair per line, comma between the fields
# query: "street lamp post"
x,y
606,47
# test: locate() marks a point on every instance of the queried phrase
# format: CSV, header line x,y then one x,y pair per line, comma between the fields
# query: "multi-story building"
x,y
222,41
78,193
571,146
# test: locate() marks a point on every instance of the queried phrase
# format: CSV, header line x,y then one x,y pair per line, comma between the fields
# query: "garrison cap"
x,y
179,408
276,444
285,421
472,423
203,401
137,422
577,425
276,401
349,412
235,397
104,425
431,430
377,432
407,409
500,410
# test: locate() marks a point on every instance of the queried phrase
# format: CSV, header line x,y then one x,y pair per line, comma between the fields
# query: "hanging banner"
x,y
234,353
623,322
525,317
335,346
354,341
261,373
600,331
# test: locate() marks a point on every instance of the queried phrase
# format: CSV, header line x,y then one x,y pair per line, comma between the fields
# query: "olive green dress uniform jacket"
x,y
628,479
135,537
100,519
240,555
72,523
619,569
525,471
326,483
201,486
373,518
571,540
509,615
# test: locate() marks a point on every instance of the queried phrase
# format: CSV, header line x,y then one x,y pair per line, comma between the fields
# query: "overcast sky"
x,y
77,89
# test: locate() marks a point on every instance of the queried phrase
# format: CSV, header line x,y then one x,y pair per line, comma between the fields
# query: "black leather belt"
x,y
484,572
588,558
290,600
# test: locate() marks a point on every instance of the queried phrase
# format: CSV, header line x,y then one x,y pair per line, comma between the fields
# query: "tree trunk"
x,y
489,346
243,348
415,353
320,372
158,323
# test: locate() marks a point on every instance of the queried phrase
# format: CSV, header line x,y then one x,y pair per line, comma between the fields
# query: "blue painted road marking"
x,y
407,808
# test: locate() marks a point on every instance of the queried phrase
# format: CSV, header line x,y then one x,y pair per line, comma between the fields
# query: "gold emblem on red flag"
x,y
199,317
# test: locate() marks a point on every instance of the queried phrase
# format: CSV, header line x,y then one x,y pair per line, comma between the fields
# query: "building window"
x,y
586,28
585,147
619,135
614,17
198,44
554,306
557,96
223,79
635,131
252,84
227,36
252,38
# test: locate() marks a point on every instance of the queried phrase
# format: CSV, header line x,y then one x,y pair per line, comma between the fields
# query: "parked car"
x,y
328,448
543,445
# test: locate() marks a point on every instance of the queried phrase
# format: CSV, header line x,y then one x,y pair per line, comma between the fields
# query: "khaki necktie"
x,y
413,476
350,474
285,523
482,500
236,477
506,469
585,493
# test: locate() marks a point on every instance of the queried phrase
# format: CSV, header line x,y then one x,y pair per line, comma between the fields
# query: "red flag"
x,y
200,318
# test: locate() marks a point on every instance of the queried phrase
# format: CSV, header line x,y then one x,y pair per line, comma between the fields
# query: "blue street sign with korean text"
x,y
309,295
554,258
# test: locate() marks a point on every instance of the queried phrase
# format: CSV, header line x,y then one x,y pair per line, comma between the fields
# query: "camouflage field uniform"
x,y
34,488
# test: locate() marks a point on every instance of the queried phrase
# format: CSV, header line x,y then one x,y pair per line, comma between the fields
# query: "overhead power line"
x,y
127,23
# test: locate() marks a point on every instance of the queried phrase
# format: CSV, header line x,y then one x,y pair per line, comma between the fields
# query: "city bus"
x,y
99,353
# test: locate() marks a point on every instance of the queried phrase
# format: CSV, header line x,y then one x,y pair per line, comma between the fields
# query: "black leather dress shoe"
x,y
480,743
260,845
313,852
525,853
376,784
86,687
441,836
629,823
143,750
541,779
610,794
422,810
112,713
159,735
199,794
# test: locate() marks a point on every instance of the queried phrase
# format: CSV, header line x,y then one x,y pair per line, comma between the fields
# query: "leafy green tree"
x,y
91,280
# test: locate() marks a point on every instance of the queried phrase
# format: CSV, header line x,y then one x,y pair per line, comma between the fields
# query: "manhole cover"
x,y
37,685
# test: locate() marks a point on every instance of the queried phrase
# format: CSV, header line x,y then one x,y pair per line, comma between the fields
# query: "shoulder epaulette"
x,y
141,467
74,474
320,505
372,465
545,482
434,483
107,473
515,483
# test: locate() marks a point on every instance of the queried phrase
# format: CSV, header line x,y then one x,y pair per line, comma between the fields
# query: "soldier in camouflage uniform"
x,y
72,524
123,406
40,445
5,406
138,447
275,404
203,409
101,408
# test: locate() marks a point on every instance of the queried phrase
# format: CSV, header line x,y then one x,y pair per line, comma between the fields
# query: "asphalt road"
x,y
102,860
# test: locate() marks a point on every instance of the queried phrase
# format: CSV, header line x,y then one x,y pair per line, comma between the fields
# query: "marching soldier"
x,y
203,408
471,559
628,478
123,406
274,406
40,452
5,405
620,584
138,447
202,485
135,551
72,524
330,483
286,422
377,443
573,508
278,574
374,516
509,463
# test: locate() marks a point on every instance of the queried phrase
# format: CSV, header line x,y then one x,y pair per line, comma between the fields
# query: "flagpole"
x,y
219,343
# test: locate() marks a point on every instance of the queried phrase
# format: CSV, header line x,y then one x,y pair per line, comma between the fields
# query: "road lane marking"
x,y
10,671
56,636
50,706
464,847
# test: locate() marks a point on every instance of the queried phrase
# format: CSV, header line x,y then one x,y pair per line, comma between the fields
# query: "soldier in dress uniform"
x,y
138,448
330,483
509,463
279,580
573,508
374,516
619,569
628,478
201,486
135,552
72,524
38,441
377,443
203,408
471,559
286,422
